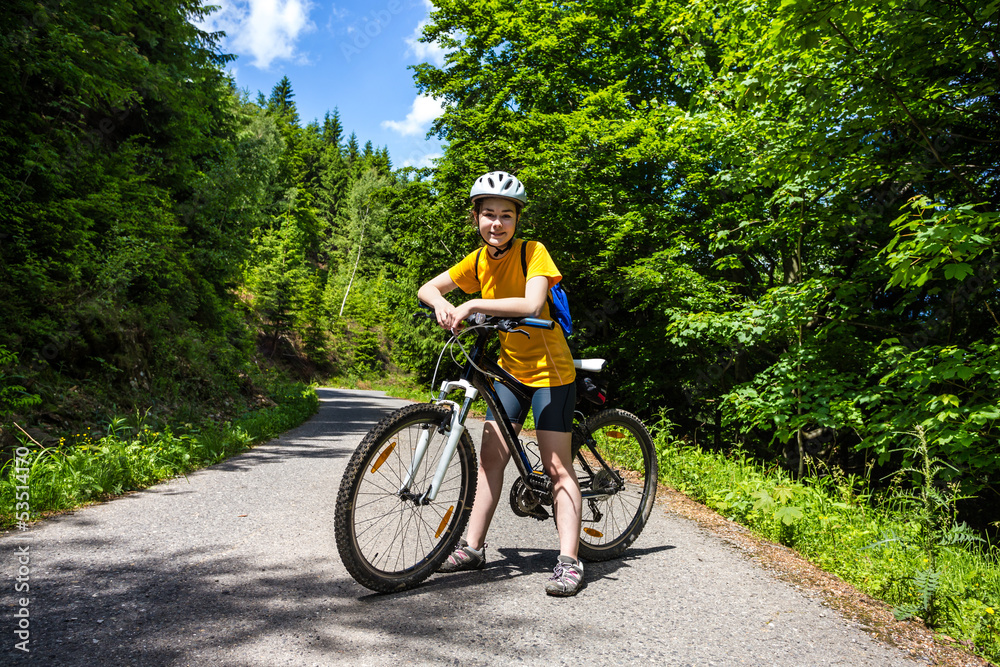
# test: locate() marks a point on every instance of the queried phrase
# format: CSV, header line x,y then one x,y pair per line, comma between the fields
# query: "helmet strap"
x,y
503,250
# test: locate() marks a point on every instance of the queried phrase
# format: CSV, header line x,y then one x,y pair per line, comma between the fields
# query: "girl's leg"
x,y
553,409
493,459
556,451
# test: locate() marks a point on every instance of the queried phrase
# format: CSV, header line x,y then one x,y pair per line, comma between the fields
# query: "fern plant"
x,y
13,397
932,505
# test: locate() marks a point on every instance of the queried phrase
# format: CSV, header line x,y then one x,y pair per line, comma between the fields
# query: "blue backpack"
x,y
558,301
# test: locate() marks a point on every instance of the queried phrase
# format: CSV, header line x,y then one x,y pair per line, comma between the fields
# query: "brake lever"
x,y
425,312
508,326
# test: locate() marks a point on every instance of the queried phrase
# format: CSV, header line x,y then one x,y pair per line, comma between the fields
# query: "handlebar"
x,y
505,324
537,322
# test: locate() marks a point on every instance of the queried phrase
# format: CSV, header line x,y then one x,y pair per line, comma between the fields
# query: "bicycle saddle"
x,y
590,365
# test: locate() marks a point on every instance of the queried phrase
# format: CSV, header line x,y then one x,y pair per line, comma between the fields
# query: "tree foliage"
x,y
147,208
778,214
122,212
775,218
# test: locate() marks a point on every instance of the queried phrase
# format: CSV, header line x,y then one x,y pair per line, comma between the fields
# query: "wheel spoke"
x,y
623,444
391,542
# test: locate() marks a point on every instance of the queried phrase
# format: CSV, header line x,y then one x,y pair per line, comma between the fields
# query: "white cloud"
x,y
432,53
424,110
268,30
226,17
337,16
422,161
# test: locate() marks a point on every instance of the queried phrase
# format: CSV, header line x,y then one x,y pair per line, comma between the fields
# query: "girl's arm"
x,y
449,316
432,293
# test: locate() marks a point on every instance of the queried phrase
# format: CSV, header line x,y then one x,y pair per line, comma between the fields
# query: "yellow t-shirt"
x,y
542,359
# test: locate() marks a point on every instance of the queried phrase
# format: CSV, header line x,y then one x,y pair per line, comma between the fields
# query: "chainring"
x,y
526,502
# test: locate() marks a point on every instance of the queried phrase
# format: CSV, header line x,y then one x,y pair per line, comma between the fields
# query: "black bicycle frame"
x,y
482,382
476,373
478,379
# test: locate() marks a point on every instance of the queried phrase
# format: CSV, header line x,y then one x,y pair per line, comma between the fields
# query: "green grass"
x,y
869,541
129,455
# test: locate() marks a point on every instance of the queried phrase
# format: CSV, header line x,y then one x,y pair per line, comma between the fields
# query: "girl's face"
x,y
497,221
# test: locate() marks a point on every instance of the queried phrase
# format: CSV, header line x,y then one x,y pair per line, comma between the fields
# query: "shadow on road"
x,y
110,600
520,563
166,608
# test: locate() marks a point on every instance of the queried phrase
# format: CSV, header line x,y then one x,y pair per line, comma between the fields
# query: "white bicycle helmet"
x,y
499,184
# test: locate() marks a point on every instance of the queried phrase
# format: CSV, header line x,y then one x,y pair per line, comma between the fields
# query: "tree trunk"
x,y
350,282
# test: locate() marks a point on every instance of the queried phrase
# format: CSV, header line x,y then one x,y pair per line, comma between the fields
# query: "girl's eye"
x,y
505,217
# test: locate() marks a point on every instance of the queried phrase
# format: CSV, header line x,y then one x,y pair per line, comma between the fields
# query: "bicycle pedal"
x,y
526,502
539,513
540,483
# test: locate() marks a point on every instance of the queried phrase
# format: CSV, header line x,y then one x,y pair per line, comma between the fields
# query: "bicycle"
x,y
399,515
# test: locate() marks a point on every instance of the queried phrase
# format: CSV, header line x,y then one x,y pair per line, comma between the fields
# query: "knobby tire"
x,y
389,543
626,446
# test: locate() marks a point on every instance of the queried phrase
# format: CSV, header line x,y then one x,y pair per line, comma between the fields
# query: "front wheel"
x,y
618,495
388,540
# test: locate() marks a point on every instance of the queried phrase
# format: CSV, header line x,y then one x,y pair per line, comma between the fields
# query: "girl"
x,y
542,362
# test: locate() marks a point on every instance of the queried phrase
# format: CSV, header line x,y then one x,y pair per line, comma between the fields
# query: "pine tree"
x,y
382,162
365,241
281,101
353,151
333,130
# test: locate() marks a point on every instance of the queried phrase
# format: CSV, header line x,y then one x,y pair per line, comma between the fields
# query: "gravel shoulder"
x,y
237,565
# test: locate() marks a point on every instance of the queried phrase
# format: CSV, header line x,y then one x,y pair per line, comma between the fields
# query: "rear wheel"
x,y
391,541
618,494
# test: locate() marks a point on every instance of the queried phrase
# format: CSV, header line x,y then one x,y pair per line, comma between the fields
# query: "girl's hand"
x,y
432,293
443,311
450,317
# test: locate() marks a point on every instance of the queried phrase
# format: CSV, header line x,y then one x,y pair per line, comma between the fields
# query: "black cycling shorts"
x,y
552,406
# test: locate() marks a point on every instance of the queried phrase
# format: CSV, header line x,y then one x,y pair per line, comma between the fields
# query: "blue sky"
x,y
349,54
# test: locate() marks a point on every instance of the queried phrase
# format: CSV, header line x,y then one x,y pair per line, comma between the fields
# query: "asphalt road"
x,y
237,565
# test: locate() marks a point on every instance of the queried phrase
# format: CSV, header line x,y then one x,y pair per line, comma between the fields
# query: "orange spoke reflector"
x,y
615,434
592,532
383,456
444,522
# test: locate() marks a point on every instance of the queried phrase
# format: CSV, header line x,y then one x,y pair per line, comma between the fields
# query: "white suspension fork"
x,y
455,430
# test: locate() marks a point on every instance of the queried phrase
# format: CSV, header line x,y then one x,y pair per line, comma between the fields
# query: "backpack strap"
x,y
524,267
478,255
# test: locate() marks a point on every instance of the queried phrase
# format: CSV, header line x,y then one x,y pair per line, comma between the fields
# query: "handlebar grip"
x,y
538,323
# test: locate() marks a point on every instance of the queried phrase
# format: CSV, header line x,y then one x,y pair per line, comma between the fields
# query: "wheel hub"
x,y
604,482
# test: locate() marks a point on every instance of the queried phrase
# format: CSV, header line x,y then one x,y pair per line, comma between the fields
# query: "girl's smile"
x,y
497,221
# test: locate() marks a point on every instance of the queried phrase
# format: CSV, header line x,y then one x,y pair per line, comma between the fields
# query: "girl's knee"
x,y
494,451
